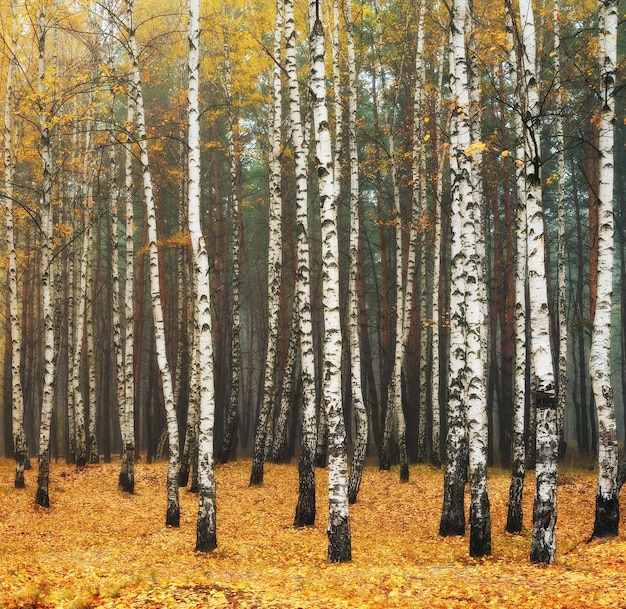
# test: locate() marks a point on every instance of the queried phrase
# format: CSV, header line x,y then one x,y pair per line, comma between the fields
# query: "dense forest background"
x,y
85,98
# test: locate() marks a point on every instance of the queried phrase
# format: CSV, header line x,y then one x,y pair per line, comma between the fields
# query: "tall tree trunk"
x,y
339,538
358,403
516,489
232,417
20,445
42,497
305,509
543,543
173,505
607,499
274,261
206,539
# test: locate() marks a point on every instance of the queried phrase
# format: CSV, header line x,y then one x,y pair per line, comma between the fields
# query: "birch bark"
x,y
339,539
607,499
232,419
543,544
206,539
20,445
516,489
274,260
358,403
305,509
42,497
173,505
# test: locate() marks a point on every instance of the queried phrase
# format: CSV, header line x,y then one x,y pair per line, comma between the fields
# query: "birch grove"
x,y
322,233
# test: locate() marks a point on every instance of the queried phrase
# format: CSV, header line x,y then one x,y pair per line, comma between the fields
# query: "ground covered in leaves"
x,y
99,548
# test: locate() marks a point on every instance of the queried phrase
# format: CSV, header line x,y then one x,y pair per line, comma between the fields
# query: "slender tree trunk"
x,y
516,489
274,262
47,274
358,403
20,445
305,509
173,505
232,417
206,539
339,539
607,499
543,543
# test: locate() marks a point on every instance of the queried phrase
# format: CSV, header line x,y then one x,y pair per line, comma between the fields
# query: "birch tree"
x,y
274,259
468,225
543,543
20,445
47,274
305,508
339,539
136,91
561,212
358,403
516,489
206,539
607,499
236,247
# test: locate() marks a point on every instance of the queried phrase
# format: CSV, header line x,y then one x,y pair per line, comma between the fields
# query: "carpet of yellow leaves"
x,y
99,548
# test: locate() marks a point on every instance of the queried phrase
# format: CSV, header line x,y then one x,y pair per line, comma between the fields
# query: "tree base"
x,y
607,516
206,541
42,498
305,509
20,482
183,475
453,512
404,473
256,475
339,542
542,546
172,518
480,532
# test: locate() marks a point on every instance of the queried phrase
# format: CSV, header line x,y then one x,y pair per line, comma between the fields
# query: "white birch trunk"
x,y
47,274
543,544
561,213
435,299
92,415
516,489
79,332
358,403
274,261
230,431
173,505
117,299
20,446
474,292
128,465
305,509
607,499
339,539
206,539
418,171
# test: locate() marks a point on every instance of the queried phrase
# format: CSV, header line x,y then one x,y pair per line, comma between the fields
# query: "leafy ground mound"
x,y
99,548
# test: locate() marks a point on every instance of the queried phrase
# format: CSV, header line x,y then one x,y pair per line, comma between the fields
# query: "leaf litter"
x,y
98,548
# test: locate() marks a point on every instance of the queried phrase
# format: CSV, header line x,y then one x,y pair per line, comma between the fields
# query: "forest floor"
x,y
96,547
